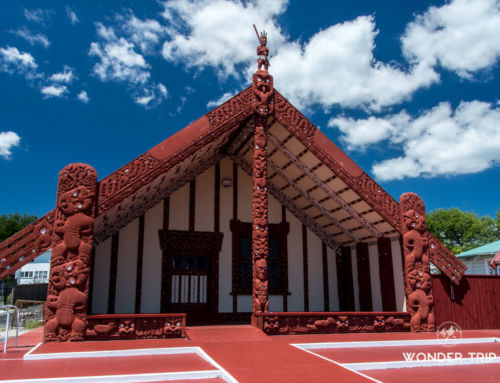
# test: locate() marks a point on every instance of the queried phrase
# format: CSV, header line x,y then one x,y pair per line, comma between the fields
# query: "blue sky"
x,y
408,89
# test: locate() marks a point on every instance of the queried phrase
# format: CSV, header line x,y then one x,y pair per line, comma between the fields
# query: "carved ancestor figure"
x,y
418,285
73,228
260,287
262,51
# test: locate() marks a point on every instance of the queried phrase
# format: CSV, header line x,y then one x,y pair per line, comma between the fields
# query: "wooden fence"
x,y
474,304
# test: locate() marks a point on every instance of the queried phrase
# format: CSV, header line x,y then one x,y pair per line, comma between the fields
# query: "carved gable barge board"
x,y
27,244
360,182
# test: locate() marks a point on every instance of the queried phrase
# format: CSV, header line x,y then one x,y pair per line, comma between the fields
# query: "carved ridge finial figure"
x,y
262,50
263,87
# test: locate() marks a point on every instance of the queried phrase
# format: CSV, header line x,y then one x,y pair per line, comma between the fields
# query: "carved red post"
x,y
263,105
67,296
418,283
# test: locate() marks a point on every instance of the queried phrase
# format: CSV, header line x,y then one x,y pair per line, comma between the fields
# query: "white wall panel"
x,y
102,263
244,196
204,201
355,280
179,209
151,263
276,303
225,257
126,271
244,303
375,277
315,268
274,210
397,268
332,280
295,264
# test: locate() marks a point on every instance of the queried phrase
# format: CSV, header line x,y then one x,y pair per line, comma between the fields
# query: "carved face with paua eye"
x,y
261,269
173,327
126,327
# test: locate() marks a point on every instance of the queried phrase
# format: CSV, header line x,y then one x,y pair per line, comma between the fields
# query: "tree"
x,y
12,223
460,231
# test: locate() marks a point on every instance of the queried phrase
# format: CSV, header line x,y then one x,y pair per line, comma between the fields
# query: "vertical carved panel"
x,y
260,226
67,297
418,284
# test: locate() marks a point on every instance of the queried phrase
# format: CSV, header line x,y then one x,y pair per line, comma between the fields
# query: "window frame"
x,y
240,230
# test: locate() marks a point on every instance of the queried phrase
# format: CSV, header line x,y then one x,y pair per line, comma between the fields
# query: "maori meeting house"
x,y
250,214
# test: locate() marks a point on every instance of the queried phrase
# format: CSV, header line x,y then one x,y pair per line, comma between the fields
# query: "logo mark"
x,y
448,333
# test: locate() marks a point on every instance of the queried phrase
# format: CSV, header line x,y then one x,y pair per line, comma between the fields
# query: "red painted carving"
x,y
289,323
263,89
236,109
418,285
26,245
292,119
135,326
260,227
65,317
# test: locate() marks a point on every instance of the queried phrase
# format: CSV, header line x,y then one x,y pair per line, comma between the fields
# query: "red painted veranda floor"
x,y
247,355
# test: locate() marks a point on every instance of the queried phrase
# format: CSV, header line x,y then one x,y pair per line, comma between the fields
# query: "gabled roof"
x,y
308,174
488,249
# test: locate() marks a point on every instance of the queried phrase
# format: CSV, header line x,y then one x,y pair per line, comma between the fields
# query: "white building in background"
x,y
35,272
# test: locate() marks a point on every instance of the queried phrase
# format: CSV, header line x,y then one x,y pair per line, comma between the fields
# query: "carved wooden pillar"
x,y
260,224
418,284
67,295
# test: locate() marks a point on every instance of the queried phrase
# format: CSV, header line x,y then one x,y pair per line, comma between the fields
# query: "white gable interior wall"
x,y
204,221
126,271
295,264
315,272
226,256
375,277
100,288
151,261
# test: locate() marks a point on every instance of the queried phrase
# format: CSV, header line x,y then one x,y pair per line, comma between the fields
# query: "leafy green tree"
x,y
460,231
12,223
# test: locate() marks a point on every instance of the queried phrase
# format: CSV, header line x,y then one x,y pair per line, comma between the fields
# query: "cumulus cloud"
x,y
117,58
151,96
14,61
37,15
218,33
337,66
66,76
440,141
120,61
461,36
145,34
83,97
8,140
31,37
72,15
51,91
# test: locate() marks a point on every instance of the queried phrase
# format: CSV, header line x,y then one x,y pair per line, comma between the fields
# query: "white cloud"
x,y
117,58
32,38
13,61
337,66
37,15
83,97
72,15
8,140
441,141
461,36
66,76
219,33
144,33
151,96
222,99
54,91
